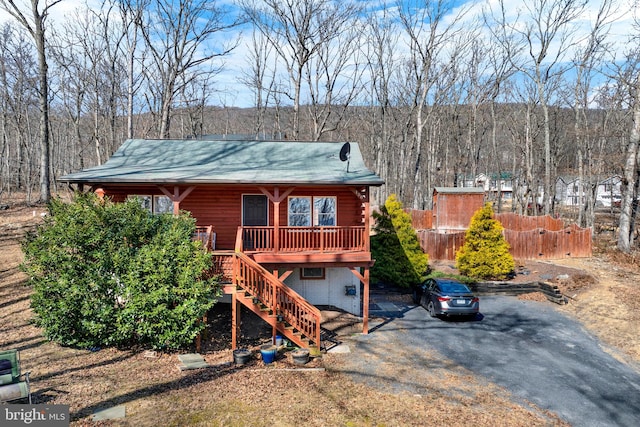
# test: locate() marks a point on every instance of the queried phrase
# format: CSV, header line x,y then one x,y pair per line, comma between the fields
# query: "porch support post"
x,y
365,301
235,321
364,278
235,305
276,222
276,198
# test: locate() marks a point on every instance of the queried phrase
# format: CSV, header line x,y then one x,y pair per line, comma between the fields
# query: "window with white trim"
x,y
317,211
162,204
299,211
154,204
145,201
324,211
312,273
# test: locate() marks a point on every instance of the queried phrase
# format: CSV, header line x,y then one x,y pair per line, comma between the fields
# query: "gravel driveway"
x,y
535,352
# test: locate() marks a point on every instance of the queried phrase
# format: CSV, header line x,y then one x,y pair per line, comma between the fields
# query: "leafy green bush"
x,y
485,253
111,274
395,247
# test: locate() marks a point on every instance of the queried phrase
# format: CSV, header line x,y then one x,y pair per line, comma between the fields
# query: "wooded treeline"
x,y
431,90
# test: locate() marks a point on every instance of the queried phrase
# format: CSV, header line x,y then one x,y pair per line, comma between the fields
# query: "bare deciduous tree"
x,y
178,35
430,29
537,42
299,30
18,103
34,21
629,78
587,62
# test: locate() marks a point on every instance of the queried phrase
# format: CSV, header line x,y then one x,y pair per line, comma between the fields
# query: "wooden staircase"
x,y
277,304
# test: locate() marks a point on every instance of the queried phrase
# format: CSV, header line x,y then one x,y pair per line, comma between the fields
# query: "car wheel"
x,y
431,309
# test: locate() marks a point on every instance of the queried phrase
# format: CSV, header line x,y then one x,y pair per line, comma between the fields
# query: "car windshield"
x,y
453,287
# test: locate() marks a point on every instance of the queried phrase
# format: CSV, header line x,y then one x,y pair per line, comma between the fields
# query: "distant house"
x,y
609,191
288,222
492,184
569,192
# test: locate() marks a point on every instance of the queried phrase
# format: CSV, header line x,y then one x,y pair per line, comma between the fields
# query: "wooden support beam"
x,y
276,196
364,278
176,197
235,320
365,303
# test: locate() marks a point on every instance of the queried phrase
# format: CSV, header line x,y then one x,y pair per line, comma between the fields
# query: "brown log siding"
x,y
221,206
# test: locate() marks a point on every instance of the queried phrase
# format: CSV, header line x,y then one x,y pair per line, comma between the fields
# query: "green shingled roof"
x,y
227,161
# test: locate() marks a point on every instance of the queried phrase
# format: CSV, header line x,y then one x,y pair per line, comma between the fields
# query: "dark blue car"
x,y
446,297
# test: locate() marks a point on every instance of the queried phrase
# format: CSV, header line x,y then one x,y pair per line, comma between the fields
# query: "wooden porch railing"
x,y
296,239
206,235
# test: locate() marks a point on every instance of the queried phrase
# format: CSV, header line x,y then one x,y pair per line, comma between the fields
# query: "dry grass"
x,y
155,392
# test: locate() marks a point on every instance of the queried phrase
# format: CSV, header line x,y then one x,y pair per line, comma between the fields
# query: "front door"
x,y
254,210
255,213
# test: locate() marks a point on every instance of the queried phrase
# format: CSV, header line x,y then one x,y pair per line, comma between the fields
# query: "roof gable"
x,y
227,161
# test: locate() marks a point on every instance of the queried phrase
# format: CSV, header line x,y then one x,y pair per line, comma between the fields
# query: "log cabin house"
x,y
287,222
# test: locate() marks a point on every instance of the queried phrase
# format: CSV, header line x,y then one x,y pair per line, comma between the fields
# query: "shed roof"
x,y
197,161
458,190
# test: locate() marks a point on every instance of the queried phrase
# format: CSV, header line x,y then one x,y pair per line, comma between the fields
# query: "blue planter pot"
x,y
268,353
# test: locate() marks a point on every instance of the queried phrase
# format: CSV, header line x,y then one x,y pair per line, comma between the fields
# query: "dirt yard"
x,y
603,292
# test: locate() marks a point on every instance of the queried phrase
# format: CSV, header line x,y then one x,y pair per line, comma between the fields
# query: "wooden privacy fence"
x,y
421,220
527,241
515,222
440,245
571,242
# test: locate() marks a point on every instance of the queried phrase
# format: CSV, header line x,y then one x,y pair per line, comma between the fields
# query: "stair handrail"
x,y
281,299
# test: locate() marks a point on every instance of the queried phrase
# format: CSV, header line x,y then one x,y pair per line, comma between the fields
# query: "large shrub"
x,y
111,274
485,253
399,258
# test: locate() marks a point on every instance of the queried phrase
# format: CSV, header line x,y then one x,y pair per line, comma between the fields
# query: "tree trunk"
x,y
45,177
629,178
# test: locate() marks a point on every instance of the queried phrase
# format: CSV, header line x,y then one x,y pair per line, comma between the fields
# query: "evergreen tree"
x,y
485,253
399,258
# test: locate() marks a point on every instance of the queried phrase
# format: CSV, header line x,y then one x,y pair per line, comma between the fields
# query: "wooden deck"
x,y
297,239
250,284
333,246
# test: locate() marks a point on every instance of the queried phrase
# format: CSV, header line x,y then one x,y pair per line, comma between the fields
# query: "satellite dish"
x,y
345,153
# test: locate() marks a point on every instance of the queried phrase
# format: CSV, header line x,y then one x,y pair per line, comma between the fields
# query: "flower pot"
x,y
268,353
241,356
300,357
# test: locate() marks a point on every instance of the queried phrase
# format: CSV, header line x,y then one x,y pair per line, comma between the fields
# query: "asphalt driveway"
x,y
530,348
